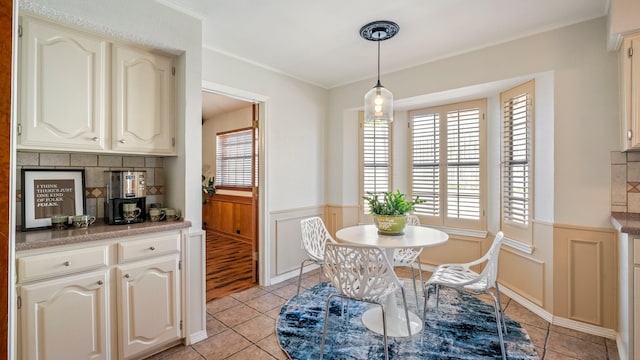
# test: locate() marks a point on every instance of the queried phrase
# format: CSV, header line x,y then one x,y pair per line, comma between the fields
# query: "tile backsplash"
x,y
94,167
625,182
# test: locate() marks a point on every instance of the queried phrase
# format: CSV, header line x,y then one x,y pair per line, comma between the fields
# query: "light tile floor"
x,y
242,326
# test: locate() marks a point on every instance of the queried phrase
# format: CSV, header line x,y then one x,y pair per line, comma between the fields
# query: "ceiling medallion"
x,y
379,30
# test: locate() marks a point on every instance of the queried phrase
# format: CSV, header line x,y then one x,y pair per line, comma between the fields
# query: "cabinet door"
x,y
65,318
630,91
144,102
63,88
148,305
634,96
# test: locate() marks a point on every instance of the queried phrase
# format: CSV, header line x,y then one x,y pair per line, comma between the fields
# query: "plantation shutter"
x,y
517,161
463,164
447,154
376,159
234,155
425,169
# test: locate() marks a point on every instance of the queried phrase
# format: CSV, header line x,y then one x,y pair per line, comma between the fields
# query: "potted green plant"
x,y
208,188
390,213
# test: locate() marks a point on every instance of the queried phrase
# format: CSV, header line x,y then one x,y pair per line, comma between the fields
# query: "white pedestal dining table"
x,y
413,237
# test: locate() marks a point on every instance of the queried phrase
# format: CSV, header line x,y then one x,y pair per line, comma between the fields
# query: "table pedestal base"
x,y
396,325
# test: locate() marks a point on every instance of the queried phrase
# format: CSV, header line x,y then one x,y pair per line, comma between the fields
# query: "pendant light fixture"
x,y
378,102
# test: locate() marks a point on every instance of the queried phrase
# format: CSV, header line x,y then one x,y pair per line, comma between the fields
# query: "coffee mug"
x,y
156,214
82,221
59,222
130,211
171,214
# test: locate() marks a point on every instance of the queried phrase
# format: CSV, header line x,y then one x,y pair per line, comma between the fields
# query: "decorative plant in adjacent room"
x,y
208,188
390,212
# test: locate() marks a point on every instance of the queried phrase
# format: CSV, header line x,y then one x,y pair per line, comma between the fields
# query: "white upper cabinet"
x,y
144,101
80,92
630,91
63,88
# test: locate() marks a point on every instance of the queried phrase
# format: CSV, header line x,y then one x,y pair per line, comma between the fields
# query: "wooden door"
x,y
6,35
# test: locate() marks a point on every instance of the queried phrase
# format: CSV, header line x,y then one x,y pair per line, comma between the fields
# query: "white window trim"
x,y
451,225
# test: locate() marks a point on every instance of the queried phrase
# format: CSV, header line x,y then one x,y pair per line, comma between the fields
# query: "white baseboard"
x,y
197,337
291,274
557,320
547,316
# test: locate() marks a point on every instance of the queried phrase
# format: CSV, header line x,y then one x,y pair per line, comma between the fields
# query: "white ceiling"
x,y
216,104
319,41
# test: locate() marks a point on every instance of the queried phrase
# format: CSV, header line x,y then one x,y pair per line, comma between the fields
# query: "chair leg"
x,y
384,331
421,281
324,326
501,310
426,299
437,295
415,289
300,275
499,324
406,311
320,277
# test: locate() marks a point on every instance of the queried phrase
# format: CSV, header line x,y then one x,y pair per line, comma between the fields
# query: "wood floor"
x,y
229,265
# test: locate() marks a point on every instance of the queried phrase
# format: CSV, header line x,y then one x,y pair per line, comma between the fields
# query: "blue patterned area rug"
x,y
463,327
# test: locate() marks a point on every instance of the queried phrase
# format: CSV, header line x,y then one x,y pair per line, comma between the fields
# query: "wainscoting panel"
x,y
193,278
585,275
455,250
522,274
585,290
285,230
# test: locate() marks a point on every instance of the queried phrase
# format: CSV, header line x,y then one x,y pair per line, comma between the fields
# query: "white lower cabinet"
x,y
116,300
148,305
66,318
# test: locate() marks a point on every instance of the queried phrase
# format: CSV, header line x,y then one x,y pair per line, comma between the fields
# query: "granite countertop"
x,y
626,222
37,239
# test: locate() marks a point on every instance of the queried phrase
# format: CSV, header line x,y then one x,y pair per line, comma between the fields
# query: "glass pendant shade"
x,y
378,104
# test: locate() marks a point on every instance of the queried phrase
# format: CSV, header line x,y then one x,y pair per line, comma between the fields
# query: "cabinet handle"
x,y
100,282
629,135
67,263
122,141
152,248
95,138
127,276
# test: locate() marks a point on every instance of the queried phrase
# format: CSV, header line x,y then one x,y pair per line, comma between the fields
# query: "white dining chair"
x,y
461,277
362,273
407,257
314,237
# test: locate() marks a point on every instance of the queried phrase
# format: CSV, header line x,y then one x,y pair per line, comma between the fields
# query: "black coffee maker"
x,y
126,197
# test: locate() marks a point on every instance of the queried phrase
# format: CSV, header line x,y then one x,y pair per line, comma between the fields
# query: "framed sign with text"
x,y
48,192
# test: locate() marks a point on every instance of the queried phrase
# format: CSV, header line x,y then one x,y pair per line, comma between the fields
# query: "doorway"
x,y
230,155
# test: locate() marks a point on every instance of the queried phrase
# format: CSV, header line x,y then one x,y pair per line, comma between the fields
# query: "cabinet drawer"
x,y
61,263
636,251
140,249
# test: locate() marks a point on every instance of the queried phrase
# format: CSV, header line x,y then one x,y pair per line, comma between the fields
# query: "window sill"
x,y
514,244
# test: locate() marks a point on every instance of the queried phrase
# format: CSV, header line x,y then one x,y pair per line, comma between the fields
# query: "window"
x,y
447,164
375,159
234,158
517,161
